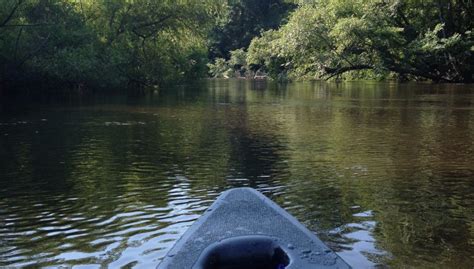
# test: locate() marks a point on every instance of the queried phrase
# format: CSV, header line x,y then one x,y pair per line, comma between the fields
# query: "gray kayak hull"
x,y
244,227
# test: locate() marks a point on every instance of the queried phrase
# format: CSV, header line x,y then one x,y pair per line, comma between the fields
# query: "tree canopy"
x,y
118,43
408,39
107,42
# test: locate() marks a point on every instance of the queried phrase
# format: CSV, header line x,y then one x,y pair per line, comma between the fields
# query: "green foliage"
x,y
105,43
146,42
262,49
413,39
245,20
236,66
238,58
220,69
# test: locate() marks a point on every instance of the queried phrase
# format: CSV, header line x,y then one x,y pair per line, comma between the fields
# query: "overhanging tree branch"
x,y
152,23
28,25
12,12
332,72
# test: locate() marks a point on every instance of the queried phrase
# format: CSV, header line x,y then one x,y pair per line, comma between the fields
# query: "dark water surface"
x,y
383,173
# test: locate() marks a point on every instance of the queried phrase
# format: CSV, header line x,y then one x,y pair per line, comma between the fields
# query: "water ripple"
x,y
382,174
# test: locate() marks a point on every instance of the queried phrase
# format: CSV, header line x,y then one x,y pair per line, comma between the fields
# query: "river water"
x,y
381,172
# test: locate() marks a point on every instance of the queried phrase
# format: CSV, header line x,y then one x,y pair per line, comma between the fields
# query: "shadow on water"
x,y
382,172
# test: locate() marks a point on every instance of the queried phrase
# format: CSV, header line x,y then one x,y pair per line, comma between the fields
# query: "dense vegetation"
x,y
119,43
431,40
246,19
108,43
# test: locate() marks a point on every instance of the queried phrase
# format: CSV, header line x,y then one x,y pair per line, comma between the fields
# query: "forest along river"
x,y
382,172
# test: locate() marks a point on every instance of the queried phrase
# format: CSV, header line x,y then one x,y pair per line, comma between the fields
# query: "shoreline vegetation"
x,y
86,44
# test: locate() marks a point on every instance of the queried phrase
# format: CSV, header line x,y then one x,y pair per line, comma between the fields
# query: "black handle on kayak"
x,y
249,252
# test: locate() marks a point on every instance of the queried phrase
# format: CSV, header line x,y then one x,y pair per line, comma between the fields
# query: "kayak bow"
x,y
245,229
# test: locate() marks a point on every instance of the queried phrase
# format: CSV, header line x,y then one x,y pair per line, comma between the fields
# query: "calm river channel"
x,y
382,172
